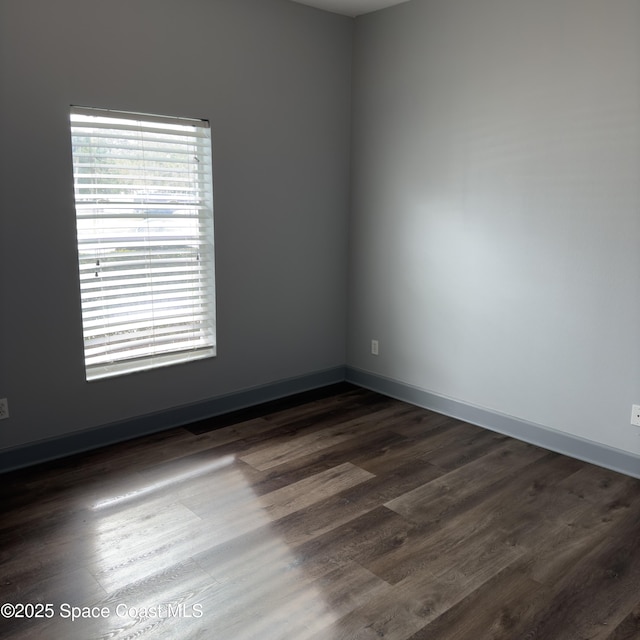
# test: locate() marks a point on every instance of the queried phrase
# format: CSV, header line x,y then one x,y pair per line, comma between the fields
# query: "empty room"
x,y
320,320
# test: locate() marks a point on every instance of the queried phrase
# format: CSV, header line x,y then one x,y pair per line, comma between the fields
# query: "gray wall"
x,y
495,229
495,212
273,77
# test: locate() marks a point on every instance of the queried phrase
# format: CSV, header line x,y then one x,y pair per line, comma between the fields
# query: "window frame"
x,y
143,200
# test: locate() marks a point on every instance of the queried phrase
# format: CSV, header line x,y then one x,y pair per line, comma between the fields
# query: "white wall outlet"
x,y
4,408
374,347
635,415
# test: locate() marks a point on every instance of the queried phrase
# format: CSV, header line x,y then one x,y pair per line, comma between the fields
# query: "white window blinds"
x,y
144,214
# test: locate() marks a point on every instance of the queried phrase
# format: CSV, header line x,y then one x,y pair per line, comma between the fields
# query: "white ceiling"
x,y
350,7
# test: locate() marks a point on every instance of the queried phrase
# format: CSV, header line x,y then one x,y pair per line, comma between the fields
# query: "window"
x,y
144,219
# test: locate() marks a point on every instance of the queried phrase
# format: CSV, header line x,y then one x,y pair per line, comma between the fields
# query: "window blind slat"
x,y
137,321
92,114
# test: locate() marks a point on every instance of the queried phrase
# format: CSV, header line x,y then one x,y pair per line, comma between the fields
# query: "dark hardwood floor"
x,y
333,516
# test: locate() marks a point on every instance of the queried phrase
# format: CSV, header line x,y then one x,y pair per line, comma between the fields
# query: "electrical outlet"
x,y
4,408
374,347
635,415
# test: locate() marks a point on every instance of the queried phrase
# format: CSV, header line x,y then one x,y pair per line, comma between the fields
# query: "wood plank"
x,y
598,593
420,598
279,451
629,628
286,500
328,514
291,606
423,502
372,534
490,612
435,437
305,466
478,509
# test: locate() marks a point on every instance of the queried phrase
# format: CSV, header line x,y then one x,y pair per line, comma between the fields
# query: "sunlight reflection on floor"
x,y
182,571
